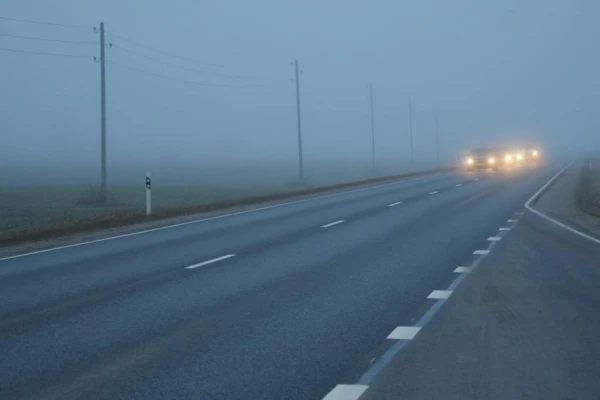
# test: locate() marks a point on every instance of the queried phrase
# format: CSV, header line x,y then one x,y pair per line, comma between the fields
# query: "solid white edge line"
x,y
346,392
333,223
541,214
494,238
440,294
214,260
404,333
434,192
481,252
217,217
394,204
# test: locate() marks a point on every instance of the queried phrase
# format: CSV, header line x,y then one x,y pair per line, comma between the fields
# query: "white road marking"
x,y
346,392
481,252
404,332
459,184
476,179
214,260
519,213
504,229
333,223
217,217
541,214
494,238
394,204
440,294
462,270
512,220
434,192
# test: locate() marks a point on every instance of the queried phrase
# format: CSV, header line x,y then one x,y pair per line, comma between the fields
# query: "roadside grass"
x,y
36,210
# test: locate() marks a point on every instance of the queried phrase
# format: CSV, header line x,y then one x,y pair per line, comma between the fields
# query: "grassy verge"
x,y
80,221
588,192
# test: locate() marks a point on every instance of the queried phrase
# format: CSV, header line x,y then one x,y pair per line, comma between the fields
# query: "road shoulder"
x,y
522,325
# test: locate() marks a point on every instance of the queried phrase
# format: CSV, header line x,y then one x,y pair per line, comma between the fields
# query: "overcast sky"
x,y
493,71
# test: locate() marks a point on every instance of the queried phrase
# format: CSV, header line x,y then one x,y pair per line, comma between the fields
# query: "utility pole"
x,y
103,197
300,160
437,141
410,125
372,129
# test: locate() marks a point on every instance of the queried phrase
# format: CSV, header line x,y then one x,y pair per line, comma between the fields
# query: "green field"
x,y
28,203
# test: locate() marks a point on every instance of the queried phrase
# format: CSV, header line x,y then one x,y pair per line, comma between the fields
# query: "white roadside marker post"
x,y
148,194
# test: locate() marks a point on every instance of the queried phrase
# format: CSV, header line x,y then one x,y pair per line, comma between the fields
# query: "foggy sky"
x,y
494,72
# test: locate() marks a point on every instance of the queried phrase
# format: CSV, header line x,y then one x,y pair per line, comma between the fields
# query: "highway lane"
x,y
297,309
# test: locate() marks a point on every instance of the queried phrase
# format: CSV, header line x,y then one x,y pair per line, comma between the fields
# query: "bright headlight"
x,y
491,160
470,161
534,153
519,156
508,158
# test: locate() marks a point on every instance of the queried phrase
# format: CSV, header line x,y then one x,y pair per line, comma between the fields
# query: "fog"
x,y
492,72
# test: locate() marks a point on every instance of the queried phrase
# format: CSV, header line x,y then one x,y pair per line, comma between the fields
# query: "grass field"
x,y
28,203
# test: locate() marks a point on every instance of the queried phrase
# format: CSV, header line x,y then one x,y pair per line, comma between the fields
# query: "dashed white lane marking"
x,y
494,238
519,213
481,252
462,270
458,184
346,392
394,204
512,220
231,214
435,192
333,223
214,260
404,332
504,229
440,294
476,179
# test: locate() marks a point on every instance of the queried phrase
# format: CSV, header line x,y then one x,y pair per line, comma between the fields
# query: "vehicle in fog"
x,y
480,159
531,154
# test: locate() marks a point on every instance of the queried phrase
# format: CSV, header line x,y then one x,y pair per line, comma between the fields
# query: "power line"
x,y
159,51
46,54
47,40
44,23
177,65
178,80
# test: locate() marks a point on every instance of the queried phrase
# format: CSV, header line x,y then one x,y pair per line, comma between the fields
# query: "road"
x,y
281,303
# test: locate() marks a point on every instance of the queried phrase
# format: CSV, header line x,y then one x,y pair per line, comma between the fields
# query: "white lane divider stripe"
x,y
476,179
404,332
512,220
333,223
519,213
214,260
394,204
462,270
346,392
440,294
434,192
481,252
494,238
458,184
504,229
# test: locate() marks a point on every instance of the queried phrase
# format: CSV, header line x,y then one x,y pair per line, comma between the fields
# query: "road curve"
x,y
280,303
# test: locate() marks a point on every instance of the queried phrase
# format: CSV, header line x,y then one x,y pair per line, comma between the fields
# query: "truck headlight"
x,y
491,160
534,153
470,161
508,158
519,156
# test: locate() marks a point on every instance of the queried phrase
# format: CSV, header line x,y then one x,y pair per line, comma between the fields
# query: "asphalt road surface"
x,y
280,303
